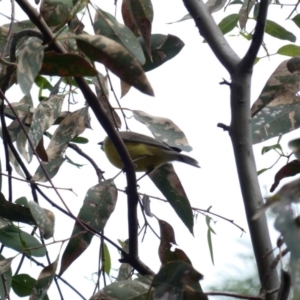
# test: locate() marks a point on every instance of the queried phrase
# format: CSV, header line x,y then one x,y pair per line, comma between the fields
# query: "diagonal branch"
x,y
212,34
249,58
101,116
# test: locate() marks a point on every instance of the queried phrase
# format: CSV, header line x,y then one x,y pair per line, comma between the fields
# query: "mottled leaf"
x,y
164,130
7,274
163,48
56,12
244,12
167,181
23,108
277,31
103,97
128,21
167,240
99,203
215,5
146,205
280,87
229,23
125,270
14,238
142,14
4,30
276,111
44,219
173,278
289,50
107,25
125,289
295,147
290,169
44,281
293,65
58,64
29,64
52,166
116,58
72,125
43,118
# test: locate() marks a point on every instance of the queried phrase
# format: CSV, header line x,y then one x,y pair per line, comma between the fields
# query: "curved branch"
x,y
212,34
249,58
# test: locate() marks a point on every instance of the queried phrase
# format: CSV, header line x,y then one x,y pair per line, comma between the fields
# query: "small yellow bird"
x,y
145,152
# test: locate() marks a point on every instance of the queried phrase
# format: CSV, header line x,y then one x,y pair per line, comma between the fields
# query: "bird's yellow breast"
x,y
145,157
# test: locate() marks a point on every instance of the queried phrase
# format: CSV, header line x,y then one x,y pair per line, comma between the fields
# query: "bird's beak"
x,y
101,144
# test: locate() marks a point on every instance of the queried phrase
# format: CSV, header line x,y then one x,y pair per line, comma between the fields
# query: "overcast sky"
x,y
187,91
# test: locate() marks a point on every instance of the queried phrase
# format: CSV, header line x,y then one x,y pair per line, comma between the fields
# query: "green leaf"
x,y
43,83
116,58
272,147
99,203
163,48
279,32
70,161
184,18
262,171
107,259
22,284
164,130
209,240
229,23
79,140
296,20
167,181
289,50
14,238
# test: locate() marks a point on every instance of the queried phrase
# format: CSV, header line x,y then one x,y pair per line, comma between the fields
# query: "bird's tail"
x,y
188,160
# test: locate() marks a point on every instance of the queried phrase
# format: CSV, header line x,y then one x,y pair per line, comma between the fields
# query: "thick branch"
x,y
100,114
212,34
249,58
240,133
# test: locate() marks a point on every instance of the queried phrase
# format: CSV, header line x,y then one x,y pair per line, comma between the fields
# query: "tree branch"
x,y
212,34
101,116
249,58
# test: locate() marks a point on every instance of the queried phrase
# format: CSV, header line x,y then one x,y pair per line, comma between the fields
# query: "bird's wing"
x,y
134,137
